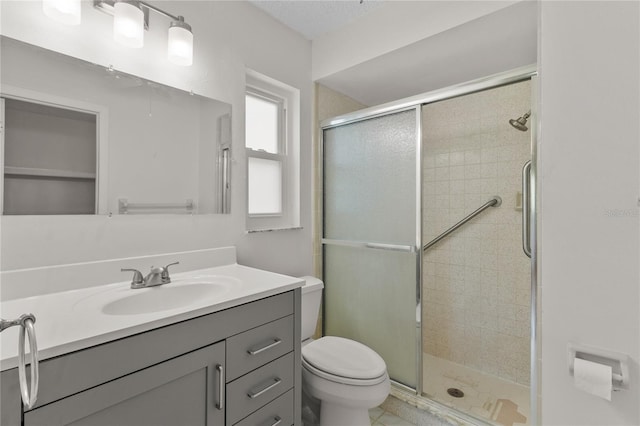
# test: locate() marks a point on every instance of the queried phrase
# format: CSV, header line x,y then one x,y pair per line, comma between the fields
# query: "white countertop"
x,y
72,320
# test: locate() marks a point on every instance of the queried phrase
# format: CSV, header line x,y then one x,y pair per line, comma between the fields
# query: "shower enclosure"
x,y
423,225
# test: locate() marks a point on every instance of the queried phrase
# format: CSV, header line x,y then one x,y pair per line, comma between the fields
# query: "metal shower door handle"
x,y
526,208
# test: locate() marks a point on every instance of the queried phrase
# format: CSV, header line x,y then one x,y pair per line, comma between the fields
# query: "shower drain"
x,y
455,392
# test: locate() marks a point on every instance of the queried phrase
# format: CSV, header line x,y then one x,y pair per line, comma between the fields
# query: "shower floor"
x,y
487,397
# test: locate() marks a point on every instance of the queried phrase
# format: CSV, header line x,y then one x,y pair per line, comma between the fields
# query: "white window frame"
x,y
288,100
281,154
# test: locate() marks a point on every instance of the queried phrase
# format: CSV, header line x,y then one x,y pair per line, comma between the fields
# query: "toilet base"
x,y
310,409
332,414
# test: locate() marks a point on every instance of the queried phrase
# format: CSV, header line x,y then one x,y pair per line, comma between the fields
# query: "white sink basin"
x,y
182,292
161,298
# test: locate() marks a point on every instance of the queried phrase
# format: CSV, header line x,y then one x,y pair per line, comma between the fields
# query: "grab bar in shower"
x,y
494,202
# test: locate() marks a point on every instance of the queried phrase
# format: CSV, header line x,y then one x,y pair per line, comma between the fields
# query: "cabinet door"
x,y
10,401
182,391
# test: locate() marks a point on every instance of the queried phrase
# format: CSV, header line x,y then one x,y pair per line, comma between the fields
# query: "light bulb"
x,y
64,11
128,24
180,43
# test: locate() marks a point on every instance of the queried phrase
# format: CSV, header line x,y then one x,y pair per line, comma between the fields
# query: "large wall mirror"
x,y
80,138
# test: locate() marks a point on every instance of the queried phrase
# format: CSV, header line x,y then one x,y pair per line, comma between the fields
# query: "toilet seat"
x,y
344,361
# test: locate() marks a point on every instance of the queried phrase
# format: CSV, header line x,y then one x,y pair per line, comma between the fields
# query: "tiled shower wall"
x,y
476,282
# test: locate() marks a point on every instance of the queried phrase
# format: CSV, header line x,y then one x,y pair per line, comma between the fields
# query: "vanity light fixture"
x,y
131,18
64,11
180,46
128,23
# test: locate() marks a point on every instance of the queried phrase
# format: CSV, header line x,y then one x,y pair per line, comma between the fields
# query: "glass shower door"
x,y
371,237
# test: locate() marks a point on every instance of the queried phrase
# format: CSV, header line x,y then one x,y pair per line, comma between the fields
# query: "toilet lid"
x,y
344,357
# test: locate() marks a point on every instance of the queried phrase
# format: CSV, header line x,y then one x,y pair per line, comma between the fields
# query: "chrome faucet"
x,y
157,276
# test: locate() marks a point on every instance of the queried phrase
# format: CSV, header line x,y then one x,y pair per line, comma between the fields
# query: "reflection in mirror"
x,y
82,139
50,159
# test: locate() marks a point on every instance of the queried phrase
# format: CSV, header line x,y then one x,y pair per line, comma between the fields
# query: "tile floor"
x,y
485,396
380,417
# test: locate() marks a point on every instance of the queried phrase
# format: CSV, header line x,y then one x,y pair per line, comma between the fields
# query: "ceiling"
x,y
501,41
313,18
494,43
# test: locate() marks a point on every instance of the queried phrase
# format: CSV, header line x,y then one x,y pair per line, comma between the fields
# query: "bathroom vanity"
x,y
232,359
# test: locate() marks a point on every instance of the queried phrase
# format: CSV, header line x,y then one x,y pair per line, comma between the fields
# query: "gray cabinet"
x,y
182,391
10,402
236,366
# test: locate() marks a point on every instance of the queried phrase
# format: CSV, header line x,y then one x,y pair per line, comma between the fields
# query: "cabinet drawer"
x,y
277,412
254,390
254,348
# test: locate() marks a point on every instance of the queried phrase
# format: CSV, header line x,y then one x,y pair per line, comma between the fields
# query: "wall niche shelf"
x,y
49,163
51,173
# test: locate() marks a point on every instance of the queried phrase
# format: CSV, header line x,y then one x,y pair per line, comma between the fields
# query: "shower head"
x,y
521,122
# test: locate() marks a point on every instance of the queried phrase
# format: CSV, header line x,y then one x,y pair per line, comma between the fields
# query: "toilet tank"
x,y
311,298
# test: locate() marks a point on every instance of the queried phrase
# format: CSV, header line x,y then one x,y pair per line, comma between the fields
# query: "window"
x,y
272,141
266,151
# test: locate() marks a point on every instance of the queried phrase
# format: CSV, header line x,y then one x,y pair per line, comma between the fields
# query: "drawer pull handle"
x,y
254,395
221,387
276,421
275,343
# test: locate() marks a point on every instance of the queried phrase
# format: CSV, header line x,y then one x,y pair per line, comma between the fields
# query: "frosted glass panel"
x,y
370,180
370,297
265,186
370,183
261,122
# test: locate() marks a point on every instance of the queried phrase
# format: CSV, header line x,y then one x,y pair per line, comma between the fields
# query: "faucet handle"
x,y
137,279
165,271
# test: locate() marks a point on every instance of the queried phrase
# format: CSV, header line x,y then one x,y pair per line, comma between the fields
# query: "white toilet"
x,y
347,377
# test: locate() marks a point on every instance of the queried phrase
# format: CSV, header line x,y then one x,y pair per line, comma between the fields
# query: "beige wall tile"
x,y
476,288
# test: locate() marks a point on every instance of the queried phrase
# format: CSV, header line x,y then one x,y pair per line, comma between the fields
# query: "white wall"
x,y
588,167
391,26
229,36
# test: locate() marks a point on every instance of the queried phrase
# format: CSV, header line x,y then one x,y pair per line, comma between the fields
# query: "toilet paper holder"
x,y
618,362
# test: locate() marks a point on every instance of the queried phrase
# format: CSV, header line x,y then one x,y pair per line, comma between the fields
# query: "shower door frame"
x,y
416,102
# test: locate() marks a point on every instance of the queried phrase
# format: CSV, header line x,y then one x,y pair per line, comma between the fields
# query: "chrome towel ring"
x,y
25,322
